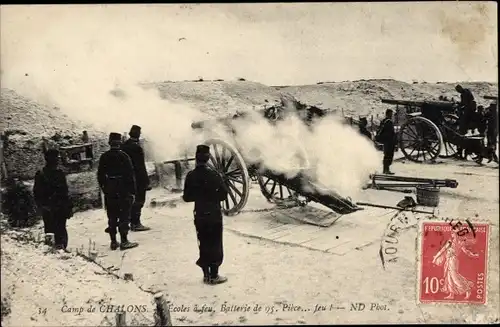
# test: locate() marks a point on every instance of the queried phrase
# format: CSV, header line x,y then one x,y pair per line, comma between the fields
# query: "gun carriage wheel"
x,y
274,190
420,140
451,126
227,161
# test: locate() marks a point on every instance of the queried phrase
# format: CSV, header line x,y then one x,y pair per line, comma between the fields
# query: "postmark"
x,y
453,263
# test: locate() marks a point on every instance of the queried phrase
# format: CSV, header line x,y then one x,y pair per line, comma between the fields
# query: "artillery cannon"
x,y
238,171
431,130
491,97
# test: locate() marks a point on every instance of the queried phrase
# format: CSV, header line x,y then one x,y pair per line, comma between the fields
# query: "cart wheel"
x,y
451,126
273,190
227,161
420,140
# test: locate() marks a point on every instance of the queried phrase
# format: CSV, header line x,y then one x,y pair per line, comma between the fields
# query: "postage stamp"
x,y
453,263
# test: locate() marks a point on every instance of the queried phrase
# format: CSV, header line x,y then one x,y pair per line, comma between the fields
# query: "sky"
x,y
275,44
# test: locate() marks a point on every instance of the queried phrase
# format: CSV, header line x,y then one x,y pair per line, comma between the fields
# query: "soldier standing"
x,y
136,154
467,108
492,130
52,198
387,136
206,188
115,176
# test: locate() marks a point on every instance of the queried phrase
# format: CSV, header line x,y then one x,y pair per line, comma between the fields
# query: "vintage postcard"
x,y
249,164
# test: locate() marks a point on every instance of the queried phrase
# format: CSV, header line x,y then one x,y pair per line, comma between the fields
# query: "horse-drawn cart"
x,y
430,130
238,171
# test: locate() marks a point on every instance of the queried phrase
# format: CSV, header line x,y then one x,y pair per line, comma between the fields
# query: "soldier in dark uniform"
x,y
387,136
481,121
52,198
466,112
363,123
206,188
116,179
136,154
491,116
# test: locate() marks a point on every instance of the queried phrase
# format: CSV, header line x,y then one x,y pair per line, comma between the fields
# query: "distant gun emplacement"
x,y
430,130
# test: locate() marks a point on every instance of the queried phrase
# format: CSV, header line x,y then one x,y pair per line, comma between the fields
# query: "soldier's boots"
x,y
388,172
206,275
128,245
217,280
114,245
139,228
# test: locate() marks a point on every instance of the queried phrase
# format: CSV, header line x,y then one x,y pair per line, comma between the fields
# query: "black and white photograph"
x,y
207,164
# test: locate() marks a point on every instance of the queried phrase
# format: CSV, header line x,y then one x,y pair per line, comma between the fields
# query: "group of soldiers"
x,y
124,181
471,117
123,178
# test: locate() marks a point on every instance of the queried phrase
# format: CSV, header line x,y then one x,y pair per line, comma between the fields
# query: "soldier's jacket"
x,y
51,190
136,154
491,117
386,133
115,174
206,189
466,97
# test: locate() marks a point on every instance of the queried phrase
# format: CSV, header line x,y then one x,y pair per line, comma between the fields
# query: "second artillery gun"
x,y
430,130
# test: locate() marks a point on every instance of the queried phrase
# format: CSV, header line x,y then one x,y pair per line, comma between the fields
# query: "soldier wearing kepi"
x,y
206,188
467,108
115,175
52,197
387,136
136,154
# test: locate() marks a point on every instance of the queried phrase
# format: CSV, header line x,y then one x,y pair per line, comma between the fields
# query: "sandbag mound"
x,y
25,122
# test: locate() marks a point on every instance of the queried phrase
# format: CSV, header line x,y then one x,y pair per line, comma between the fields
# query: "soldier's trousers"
x,y
118,211
388,155
209,235
55,222
135,212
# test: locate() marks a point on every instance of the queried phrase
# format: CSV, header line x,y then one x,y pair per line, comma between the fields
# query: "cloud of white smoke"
x,y
332,154
92,73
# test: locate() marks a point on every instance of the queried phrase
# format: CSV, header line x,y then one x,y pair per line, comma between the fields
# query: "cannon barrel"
x,y
314,192
445,104
490,97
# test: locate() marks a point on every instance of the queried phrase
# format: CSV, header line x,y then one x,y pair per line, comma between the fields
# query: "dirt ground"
x,y
286,280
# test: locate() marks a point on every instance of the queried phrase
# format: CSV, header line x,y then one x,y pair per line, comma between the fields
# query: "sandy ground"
x,y
286,281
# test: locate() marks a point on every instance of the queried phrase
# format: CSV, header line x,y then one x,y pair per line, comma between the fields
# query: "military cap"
x,y
51,154
202,149
135,131
115,137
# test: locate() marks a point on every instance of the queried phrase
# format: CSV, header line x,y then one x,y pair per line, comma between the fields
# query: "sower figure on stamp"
x,y
52,197
387,136
206,188
115,176
454,282
136,154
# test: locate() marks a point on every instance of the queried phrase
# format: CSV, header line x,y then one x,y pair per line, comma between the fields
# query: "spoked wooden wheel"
x,y
420,140
449,149
273,191
226,160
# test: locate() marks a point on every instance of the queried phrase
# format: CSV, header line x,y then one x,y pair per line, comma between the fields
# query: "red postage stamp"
x,y
453,263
